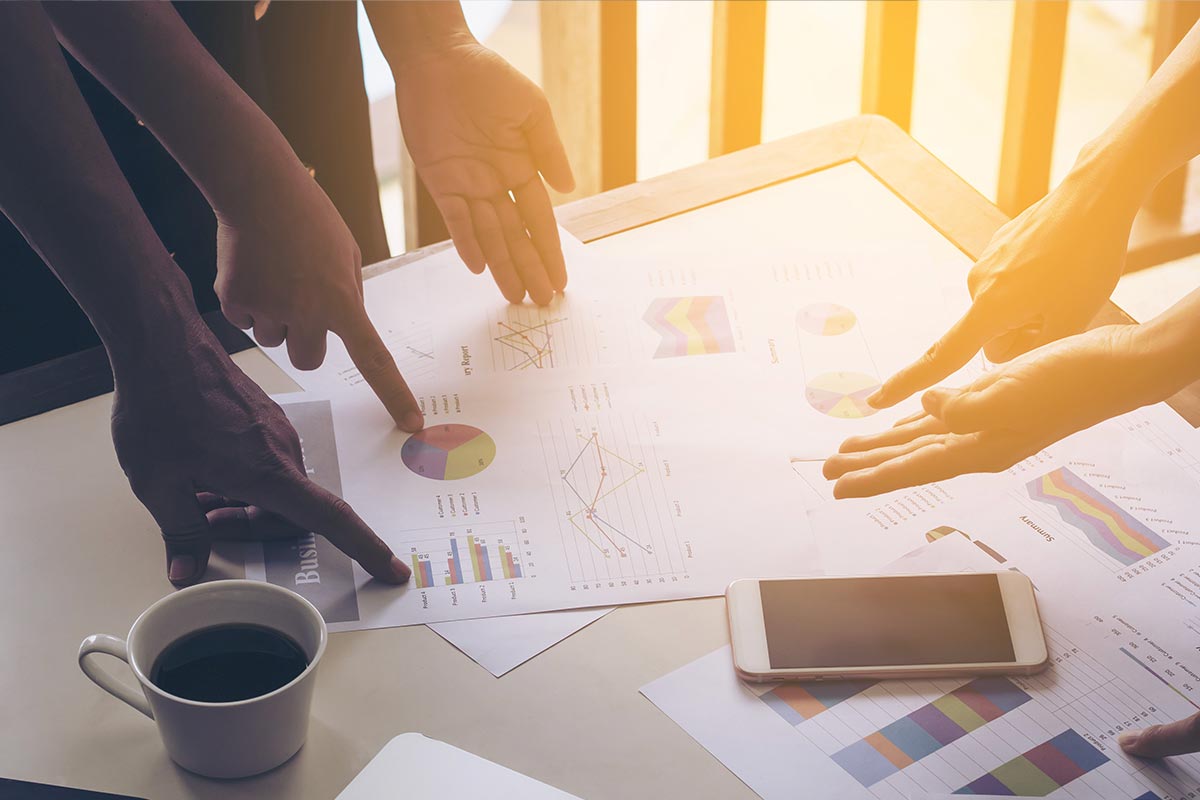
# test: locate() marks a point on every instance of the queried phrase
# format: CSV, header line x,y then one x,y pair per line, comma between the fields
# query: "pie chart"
x,y
826,319
842,394
448,452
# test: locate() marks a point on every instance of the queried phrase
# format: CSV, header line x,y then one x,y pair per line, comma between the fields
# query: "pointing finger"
x,y
372,358
947,355
312,508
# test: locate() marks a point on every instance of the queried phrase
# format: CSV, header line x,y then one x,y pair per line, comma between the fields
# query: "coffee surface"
x,y
226,663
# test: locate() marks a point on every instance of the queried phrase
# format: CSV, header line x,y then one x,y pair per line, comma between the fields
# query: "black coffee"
x,y
227,663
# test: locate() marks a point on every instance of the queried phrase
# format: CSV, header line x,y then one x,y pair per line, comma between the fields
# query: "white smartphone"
x,y
879,627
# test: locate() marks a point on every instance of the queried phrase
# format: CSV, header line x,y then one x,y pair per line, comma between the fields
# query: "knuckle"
x,y
376,360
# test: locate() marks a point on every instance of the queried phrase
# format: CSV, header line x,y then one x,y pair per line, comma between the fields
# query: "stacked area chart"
x,y
690,326
1109,528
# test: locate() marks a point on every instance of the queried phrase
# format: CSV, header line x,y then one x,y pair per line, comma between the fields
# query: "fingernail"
x,y
400,570
182,568
876,400
934,399
413,421
1129,739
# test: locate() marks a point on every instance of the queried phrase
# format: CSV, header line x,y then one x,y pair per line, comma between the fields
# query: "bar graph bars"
x,y
1042,770
466,558
798,702
930,728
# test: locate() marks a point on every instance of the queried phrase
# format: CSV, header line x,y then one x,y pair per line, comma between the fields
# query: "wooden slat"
x,y
889,58
589,74
1172,21
1034,77
738,51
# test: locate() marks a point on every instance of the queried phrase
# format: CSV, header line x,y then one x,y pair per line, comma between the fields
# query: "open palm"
x,y
481,136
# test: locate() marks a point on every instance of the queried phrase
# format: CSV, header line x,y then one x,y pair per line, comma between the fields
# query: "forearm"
x,y
410,29
1171,342
146,56
1158,132
61,187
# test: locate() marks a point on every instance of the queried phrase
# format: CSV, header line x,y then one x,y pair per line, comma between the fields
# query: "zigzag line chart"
x,y
616,521
589,518
528,345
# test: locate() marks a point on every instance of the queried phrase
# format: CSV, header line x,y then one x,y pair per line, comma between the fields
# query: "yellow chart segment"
x,y
470,458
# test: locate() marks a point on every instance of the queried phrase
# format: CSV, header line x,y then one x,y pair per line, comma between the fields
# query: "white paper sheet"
x,y
634,441
498,644
501,644
1117,665
412,765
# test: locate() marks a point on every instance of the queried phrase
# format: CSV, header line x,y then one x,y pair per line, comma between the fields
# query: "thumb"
x,y
185,533
1157,741
977,407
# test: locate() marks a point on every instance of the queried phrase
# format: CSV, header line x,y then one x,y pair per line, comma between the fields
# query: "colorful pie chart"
x,y
842,394
826,319
448,452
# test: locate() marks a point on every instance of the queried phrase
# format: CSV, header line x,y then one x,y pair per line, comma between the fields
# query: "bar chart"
x,y
467,554
1052,734
930,728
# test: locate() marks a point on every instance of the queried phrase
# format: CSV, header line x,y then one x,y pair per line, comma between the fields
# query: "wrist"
x,y
412,31
158,326
1162,358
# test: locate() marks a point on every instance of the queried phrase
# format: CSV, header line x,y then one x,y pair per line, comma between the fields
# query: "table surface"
x,y
81,556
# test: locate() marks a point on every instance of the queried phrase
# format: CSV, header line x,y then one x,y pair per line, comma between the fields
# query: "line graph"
x,y
616,520
589,517
528,345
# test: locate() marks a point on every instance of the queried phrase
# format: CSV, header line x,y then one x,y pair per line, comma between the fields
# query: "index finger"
x,y
947,355
372,358
314,509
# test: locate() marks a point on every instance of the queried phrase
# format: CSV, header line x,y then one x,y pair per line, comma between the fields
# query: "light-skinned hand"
x,y
1043,276
1006,415
481,136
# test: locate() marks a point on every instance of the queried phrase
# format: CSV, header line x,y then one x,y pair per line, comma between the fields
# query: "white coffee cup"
x,y
218,740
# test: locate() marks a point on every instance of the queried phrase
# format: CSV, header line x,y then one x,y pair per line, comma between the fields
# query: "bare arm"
x,y
287,266
482,137
206,452
1046,274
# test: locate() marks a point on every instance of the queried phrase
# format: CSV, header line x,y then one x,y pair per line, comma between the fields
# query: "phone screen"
x,y
887,621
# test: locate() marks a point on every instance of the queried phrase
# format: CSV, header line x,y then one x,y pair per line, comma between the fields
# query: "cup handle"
x,y
111,645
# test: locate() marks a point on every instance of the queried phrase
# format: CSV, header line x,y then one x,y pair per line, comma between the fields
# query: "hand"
x,y
1043,276
1158,741
477,129
212,457
288,267
1007,414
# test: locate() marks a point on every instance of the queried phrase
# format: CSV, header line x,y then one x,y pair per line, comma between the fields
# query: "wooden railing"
x,y
589,68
